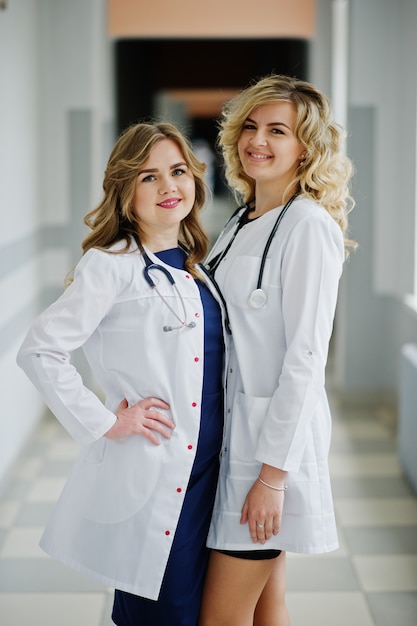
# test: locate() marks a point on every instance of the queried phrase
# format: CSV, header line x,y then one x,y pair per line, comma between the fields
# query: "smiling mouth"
x,y
170,204
259,157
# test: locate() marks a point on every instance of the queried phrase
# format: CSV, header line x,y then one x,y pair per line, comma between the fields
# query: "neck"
x,y
268,199
159,241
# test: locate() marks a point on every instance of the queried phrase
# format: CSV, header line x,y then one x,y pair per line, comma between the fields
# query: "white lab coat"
x,y
118,512
277,410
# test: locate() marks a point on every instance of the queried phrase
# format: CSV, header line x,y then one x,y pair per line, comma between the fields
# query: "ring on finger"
x,y
260,525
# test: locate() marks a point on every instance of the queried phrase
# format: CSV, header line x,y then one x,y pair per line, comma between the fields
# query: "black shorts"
x,y
252,555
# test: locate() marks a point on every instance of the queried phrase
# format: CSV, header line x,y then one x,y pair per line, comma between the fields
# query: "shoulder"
x,y
308,220
305,211
114,260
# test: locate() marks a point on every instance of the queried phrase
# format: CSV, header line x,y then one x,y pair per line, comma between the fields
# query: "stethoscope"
x,y
258,297
152,267
183,323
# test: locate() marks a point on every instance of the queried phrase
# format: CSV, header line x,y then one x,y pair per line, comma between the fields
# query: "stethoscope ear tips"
x,y
257,299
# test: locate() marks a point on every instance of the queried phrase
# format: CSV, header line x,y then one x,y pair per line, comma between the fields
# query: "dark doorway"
x,y
146,66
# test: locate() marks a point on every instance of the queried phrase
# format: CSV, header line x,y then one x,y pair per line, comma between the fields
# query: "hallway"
x,y
370,581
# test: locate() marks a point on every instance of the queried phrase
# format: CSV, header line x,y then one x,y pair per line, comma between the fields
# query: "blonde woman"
x,y
278,264
135,511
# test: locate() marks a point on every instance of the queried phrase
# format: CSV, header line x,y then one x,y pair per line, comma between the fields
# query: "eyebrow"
x,y
249,119
155,169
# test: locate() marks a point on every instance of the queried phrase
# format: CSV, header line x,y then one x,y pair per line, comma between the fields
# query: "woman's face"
x,y
268,149
165,190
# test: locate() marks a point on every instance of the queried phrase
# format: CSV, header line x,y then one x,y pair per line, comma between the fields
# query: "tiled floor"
x,y
370,581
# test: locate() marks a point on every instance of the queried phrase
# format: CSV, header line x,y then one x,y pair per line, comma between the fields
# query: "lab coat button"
x,y
167,532
179,489
197,314
190,447
194,404
187,276
196,359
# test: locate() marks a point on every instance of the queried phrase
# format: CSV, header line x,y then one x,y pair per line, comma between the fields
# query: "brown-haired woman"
x,y
135,511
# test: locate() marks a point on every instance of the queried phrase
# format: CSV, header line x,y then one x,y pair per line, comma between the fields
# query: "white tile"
x,y
22,543
347,465
363,430
63,449
385,512
319,609
49,429
387,572
44,609
46,489
28,468
8,512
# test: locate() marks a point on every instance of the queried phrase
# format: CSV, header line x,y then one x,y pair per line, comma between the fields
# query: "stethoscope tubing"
x,y
150,266
270,238
219,293
258,297
155,266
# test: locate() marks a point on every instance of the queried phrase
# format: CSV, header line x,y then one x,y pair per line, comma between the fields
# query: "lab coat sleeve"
x,y
311,267
60,329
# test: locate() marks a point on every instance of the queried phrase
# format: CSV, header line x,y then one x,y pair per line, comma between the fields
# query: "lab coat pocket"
x,y
249,413
117,477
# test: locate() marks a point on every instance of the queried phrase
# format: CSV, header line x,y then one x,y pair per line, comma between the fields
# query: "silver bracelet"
x,y
283,488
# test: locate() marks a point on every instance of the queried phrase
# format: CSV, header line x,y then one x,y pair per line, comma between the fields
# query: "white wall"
x,y
373,322
55,63
19,207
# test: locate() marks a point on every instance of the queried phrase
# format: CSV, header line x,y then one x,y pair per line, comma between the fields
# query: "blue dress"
x,y
180,596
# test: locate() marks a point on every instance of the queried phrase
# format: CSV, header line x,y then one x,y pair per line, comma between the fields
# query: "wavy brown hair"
x,y
115,220
325,173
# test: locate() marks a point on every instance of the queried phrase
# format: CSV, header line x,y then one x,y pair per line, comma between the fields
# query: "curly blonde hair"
x,y
115,220
325,172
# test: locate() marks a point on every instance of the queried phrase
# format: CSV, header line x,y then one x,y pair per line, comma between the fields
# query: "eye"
x,y
178,171
277,131
248,126
148,179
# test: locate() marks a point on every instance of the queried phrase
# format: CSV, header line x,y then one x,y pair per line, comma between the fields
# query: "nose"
x,y
259,137
168,185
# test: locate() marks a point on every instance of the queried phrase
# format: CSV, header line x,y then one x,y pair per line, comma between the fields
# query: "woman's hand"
x,y
143,419
263,506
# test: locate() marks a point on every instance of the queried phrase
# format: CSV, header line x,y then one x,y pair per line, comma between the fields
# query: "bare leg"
x,y
232,590
271,609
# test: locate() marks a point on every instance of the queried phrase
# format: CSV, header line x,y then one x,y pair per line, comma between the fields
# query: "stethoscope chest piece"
x,y
257,299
